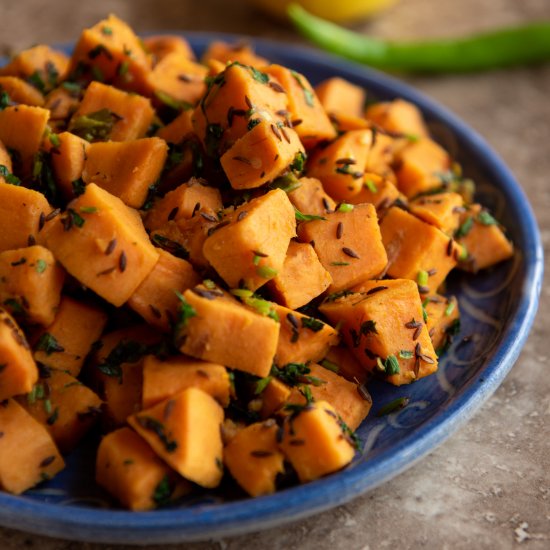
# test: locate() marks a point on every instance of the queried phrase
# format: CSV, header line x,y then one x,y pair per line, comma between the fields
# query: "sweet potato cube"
x,y
483,239
164,378
185,432
102,243
442,210
179,79
183,203
155,298
308,116
68,162
161,45
342,361
315,443
21,211
310,198
397,345
111,50
261,155
229,53
42,65
252,247
301,278
22,129
302,338
62,103
340,96
30,284
342,394
274,396
179,129
234,97
65,406
416,249
5,161
129,469
341,165
65,344
28,454
253,458
214,318
126,169
399,117
20,91
18,371
131,114
420,165
376,190
116,370
348,245
443,320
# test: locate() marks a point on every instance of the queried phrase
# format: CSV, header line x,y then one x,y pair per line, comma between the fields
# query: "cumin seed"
x,y
351,253
122,262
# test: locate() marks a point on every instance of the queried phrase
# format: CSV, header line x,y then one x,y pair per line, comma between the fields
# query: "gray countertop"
x,y
488,486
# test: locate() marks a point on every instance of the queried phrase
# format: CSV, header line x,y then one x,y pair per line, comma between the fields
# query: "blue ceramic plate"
x,y
498,308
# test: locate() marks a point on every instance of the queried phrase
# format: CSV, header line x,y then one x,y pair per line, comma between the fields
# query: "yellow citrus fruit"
x,y
334,10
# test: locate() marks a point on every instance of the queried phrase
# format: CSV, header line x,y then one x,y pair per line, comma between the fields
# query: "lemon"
x,y
334,10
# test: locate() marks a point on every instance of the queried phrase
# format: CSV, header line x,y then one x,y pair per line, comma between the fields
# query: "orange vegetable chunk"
x,y
161,45
441,209
310,198
376,190
129,469
274,396
28,454
20,91
229,53
399,117
68,161
342,361
102,243
443,317
185,432
339,96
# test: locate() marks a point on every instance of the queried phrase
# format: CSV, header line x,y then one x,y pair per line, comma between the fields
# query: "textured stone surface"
x,y
489,485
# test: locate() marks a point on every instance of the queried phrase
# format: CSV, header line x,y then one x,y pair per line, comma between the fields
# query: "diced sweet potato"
x,y
176,79
443,318
65,344
253,458
155,299
22,129
214,318
442,210
161,45
5,161
183,203
341,165
348,244
164,378
483,239
20,91
339,96
420,165
376,190
315,443
110,50
65,406
301,278
185,432
302,338
252,247
261,155
179,129
22,212
229,53
342,361
308,117
30,284
28,454
68,162
236,96
102,242
62,103
18,371
126,116
342,394
126,169
129,469
398,116
40,64
417,250
310,198
274,396
398,344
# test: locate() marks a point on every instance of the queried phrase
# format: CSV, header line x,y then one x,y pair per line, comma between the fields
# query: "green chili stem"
x,y
506,47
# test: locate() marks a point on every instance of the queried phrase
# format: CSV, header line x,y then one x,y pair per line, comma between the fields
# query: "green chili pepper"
x,y
521,45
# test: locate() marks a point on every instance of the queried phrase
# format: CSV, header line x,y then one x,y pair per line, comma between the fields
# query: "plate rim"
x,y
213,521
